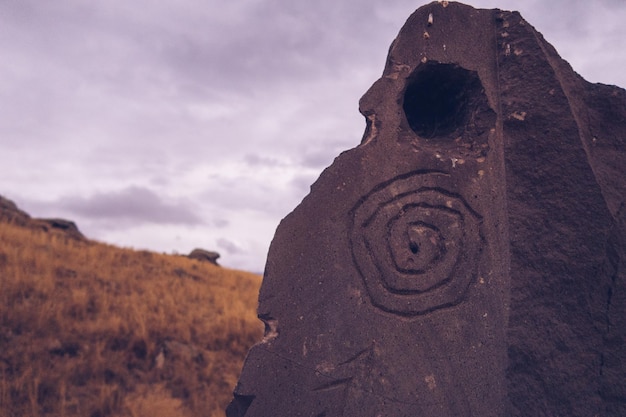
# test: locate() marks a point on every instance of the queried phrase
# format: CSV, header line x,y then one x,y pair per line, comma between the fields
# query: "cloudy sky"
x,y
174,124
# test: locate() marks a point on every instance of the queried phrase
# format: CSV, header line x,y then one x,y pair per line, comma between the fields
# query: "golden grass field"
x,y
93,330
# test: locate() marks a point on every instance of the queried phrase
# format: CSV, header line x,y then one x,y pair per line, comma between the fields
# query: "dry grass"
x,y
88,329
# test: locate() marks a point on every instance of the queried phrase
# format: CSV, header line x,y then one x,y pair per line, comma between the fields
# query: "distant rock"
x,y
66,226
10,213
204,255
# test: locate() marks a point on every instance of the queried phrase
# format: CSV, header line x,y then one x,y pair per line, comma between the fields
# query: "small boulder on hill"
x,y
204,255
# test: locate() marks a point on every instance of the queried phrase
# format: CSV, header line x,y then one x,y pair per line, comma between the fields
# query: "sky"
x,y
178,124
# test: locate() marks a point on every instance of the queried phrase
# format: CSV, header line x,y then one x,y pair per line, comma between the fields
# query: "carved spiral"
x,y
415,242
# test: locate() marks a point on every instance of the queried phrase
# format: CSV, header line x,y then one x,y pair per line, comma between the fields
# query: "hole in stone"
x,y
440,99
414,248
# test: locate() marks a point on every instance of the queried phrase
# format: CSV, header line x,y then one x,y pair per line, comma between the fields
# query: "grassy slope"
x,y
88,329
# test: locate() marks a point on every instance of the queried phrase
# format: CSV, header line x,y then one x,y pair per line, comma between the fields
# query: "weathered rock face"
x,y
468,258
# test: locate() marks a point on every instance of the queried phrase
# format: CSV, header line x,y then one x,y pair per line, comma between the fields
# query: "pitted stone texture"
x,y
468,257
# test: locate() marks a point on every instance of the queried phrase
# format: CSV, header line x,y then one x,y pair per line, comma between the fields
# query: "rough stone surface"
x,y
468,258
204,255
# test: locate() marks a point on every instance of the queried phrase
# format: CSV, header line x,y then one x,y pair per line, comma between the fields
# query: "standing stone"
x,y
468,258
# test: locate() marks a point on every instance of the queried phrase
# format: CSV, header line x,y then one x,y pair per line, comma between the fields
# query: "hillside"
x,y
88,329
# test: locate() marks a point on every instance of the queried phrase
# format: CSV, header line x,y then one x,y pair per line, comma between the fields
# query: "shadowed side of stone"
x,y
468,257
565,200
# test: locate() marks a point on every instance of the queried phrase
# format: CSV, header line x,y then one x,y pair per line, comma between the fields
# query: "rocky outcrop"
x,y
204,255
10,213
468,258
67,227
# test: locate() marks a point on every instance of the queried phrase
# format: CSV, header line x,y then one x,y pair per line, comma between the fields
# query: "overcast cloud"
x,y
179,124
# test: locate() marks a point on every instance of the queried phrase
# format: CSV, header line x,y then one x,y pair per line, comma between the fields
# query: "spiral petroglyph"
x,y
413,240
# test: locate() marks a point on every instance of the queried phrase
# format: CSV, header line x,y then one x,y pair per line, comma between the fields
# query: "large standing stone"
x,y
468,257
